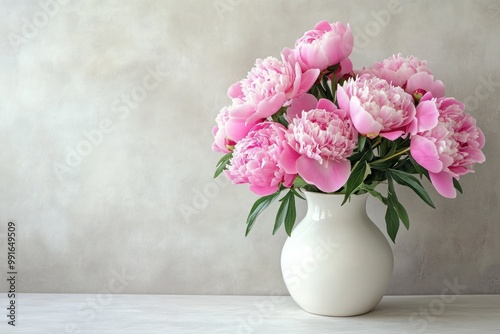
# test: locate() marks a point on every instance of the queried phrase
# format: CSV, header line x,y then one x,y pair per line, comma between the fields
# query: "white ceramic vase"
x,y
337,262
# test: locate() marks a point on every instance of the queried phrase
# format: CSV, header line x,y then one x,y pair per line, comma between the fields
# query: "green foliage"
x,y
222,164
286,213
411,182
260,205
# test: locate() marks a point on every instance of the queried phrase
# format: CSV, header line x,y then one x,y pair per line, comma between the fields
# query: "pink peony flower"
x,y
319,140
270,83
255,160
451,148
376,107
221,141
410,73
231,126
326,45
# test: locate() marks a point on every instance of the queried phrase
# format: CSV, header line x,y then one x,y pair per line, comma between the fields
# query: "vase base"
x,y
340,314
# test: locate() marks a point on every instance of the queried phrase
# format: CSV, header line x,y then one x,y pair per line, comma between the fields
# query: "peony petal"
x,y
304,102
477,156
237,128
235,90
288,159
425,153
437,89
327,177
326,105
480,139
362,120
267,107
323,25
345,67
341,172
307,81
342,98
288,180
443,182
313,57
425,81
263,190
335,50
392,135
427,115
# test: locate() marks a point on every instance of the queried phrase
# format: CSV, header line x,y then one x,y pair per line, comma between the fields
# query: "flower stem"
x,y
392,156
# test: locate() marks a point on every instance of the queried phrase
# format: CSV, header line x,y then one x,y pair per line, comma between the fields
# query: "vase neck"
x,y
327,206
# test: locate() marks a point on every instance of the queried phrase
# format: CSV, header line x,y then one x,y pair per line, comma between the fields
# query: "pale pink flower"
x,y
221,142
255,160
326,45
320,139
451,148
231,126
376,107
409,73
270,83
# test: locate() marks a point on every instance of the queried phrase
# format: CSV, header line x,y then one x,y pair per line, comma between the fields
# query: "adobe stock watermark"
x,y
224,6
121,109
89,310
31,26
420,320
299,273
263,310
201,198
372,28
487,86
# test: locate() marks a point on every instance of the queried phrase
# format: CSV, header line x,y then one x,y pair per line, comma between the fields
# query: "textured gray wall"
x,y
133,204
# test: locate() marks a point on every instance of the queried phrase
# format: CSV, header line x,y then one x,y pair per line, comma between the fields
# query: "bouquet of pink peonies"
x,y
310,122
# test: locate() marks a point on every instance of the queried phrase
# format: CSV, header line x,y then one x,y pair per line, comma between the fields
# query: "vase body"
x,y
336,262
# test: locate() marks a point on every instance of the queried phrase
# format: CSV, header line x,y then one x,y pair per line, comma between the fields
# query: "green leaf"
x,y
361,142
312,188
296,193
378,195
283,121
358,174
291,215
260,205
222,164
392,222
392,149
403,215
286,213
384,146
334,88
412,182
457,185
299,182
393,201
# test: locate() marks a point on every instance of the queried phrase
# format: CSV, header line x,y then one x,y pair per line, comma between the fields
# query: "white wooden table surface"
x,y
81,313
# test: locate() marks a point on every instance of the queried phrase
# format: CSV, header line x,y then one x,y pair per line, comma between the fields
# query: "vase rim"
x,y
330,194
